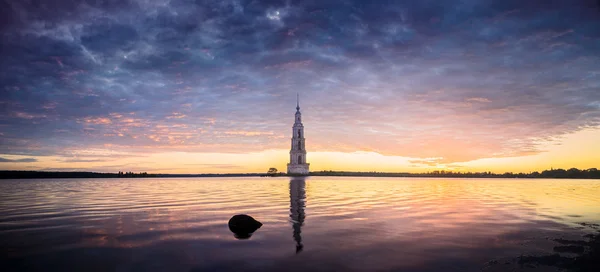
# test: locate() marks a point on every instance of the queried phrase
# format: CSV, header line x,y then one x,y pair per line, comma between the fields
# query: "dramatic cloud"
x,y
18,160
438,81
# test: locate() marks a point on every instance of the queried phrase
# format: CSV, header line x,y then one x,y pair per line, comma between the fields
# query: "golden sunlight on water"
x,y
321,222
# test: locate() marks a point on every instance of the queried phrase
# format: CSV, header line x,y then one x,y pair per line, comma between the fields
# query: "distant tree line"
x,y
572,173
134,175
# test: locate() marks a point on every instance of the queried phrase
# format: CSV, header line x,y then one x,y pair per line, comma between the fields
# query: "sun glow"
x,y
557,154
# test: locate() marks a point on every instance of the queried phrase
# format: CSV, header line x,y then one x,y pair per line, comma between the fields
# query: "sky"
x,y
210,86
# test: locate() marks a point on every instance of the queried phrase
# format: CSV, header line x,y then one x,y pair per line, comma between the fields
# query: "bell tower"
x,y
298,165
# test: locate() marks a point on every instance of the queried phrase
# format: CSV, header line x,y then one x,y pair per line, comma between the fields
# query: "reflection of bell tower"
x,y
297,205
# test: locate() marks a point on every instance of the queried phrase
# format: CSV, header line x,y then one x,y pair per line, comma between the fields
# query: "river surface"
x,y
311,224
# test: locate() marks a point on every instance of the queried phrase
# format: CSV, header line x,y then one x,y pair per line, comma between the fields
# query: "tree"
x,y
272,171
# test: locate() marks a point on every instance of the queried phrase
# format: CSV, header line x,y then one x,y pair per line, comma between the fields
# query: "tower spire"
x,y
298,164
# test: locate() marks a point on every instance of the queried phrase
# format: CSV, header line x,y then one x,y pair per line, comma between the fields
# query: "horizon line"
x,y
320,171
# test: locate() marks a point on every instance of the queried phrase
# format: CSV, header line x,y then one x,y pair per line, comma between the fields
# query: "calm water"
x,y
316,224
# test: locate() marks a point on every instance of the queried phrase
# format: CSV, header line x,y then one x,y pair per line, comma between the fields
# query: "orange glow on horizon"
x,y
579,150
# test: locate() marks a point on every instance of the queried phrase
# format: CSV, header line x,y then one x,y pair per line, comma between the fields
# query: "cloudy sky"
x,y
210,86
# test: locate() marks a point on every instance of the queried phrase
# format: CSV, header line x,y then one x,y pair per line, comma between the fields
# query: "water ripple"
x,y
322,219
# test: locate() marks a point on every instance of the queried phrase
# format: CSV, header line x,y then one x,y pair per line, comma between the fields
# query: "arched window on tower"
x,y
299,145
299,159
299,135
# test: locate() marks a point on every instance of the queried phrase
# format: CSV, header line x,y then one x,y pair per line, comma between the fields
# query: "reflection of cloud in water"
x,y
356,224
297,205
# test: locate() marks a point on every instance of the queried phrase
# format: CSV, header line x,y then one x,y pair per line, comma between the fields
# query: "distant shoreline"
x,y
572,173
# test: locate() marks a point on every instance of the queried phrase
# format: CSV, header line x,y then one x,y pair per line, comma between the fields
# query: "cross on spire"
x,y
297,101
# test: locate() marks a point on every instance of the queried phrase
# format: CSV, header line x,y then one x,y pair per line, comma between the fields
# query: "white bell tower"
x,y
298,165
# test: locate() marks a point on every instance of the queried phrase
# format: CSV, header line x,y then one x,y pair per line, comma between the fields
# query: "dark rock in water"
x,y
587,259
569,249
243,226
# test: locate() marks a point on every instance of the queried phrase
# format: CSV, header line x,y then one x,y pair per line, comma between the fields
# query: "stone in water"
x,y
243,226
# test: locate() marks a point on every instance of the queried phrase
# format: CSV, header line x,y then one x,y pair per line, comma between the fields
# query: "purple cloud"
x,y
456,80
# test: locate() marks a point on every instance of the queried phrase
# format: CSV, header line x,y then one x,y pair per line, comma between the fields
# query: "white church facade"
x,y
298,164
